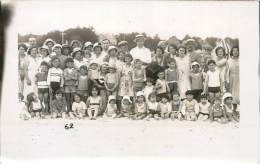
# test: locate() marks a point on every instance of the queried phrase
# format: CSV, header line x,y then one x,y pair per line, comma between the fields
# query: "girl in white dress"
x,y
183,64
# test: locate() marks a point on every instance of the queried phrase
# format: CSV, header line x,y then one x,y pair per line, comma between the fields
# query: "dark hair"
x,y
22,45
182,46
218,48
151,94
188,92
30,99
129,55
148,79
59,92
20,95
44,63
176,93
211,62
68,47
96,88
54,58
83,67
159,47
69,60
77,94
30,49
231,52
164,96
203,96
171,60
173,46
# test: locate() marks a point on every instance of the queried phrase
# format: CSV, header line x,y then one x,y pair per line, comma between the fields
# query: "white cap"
x,y
111,97
56,45
139,93
226,95
111,48
88,44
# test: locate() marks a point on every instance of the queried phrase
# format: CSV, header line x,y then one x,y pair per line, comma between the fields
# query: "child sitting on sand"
x,y
59,105
140,106
153,109
190,107
34,105
126,107
230,107
111,110
78,107
204,106
218,112
165,106
176,106
24,114
94,104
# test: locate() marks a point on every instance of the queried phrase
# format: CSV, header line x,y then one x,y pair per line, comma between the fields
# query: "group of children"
x,y
70,87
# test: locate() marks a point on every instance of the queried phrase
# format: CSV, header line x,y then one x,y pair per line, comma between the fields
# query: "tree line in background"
x,y
88,34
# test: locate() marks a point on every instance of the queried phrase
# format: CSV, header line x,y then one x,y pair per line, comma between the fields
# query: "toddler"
x,y
94,104
204,106
111,110
165,107
190,107
176,106
149,88
24,114
152,105
59,105
140,106
78,107
217,112
34,105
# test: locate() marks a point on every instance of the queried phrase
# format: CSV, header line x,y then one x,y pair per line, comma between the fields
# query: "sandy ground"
x,y
118,138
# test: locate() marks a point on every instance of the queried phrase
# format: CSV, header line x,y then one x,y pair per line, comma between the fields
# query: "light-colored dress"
x,y
221,66
233,78
183,65
126,82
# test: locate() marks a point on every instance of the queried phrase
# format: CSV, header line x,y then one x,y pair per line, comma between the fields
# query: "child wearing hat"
x,y
45,54
204,107
57,53
165,106
196,80
218,111
161,85
78,58
111,81
78,107
126,107
190,107
111,109
58,105
70,75
111,58
140,106
231,109
139,76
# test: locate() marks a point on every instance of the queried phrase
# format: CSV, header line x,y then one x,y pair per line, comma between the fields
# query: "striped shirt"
x,y
55,75
41,79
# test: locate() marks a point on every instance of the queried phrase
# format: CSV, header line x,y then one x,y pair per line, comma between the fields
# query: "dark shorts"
x,y
196,93
204,114
214,89
173,87
35,111
55,86
43,90
153,112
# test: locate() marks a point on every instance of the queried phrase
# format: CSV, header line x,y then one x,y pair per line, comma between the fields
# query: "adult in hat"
x,y
50,43
75,43
66,50
140,51
44,50
98,54
111,56
78,57
123,47
57,53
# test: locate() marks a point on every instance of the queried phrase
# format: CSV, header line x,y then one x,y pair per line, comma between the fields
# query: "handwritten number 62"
x,y
69,126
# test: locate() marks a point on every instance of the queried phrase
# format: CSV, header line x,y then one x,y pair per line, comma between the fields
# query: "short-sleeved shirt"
x,y
144,54
79,106
214,78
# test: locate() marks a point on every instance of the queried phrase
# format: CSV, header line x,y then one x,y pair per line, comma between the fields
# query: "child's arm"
x,y
206,85
197,109
211,113
224,112
144,74
105,83
87,102
221,83
61,79
166,77
66,75
167,87
73,107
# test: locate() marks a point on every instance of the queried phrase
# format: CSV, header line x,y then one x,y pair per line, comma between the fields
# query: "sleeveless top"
x,y
83,83
171,75
196,80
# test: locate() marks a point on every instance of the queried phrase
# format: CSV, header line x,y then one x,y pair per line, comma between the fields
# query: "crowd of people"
x,y
86,80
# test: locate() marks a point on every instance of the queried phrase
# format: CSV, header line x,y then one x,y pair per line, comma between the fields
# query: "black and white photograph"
x,y
111,79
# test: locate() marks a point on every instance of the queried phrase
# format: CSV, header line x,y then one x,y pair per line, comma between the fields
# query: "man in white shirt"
x,y
140,51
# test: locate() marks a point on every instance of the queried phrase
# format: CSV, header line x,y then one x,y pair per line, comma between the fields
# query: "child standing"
x,y
204,107
24,113
83,83
78,107
70,75
176,106
190,107
140,106
55,79
93,71
34,105
196,80
111,81
43,88
94,104
171,77
59,105
111,110
152,105
161,85
165,107
217,112
139,76
213,81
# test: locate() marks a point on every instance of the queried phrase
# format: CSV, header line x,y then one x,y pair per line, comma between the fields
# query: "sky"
x,y
163,18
